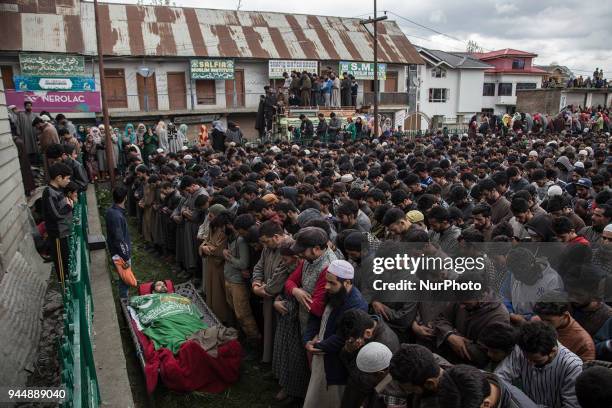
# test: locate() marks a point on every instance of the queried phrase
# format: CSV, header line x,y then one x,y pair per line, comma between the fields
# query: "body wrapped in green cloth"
x,y
168,319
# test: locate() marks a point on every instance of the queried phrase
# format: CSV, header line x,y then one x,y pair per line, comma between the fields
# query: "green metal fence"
x,y
78,373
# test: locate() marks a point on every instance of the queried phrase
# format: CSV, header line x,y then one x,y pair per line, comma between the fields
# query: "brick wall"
x,y
542,101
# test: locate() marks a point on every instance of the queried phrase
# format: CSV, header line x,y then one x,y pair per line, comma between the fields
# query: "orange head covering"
x,y
203,135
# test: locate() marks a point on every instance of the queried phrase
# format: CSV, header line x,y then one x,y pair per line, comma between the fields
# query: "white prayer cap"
x,y
579,164
184,148
373,357
11,107
608,228
533,153
295,147
347,178
342,269
45,118
160,150
554,191
188,157
583,152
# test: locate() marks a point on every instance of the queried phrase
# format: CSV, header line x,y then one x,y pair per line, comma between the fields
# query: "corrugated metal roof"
x,y
132,30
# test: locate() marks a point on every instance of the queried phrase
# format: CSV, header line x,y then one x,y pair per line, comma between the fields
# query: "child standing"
x,y
57,212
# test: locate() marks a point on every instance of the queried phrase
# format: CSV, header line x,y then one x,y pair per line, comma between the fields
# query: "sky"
x,y
565,32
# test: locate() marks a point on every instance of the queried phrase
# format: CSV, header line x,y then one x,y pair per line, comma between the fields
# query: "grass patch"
x,y
255,388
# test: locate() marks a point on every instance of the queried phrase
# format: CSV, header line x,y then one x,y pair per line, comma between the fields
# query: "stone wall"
x,y
23,275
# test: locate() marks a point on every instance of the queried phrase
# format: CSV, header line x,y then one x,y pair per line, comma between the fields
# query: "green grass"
x,y
255,388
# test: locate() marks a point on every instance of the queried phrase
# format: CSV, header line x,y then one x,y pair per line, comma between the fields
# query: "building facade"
x,y
149,51
512,71
450,84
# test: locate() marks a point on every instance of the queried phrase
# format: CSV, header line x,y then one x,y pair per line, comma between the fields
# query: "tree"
x,y
472,46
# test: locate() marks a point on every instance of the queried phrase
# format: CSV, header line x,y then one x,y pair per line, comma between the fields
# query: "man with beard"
x,y
348,214
601,217
328,376
443,233
269,277
500,206
481,214
358,329
545,370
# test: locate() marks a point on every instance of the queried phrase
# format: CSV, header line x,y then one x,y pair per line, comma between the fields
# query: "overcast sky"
x,y
571,33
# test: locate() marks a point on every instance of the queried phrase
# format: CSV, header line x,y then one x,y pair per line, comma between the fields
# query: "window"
x,y
518,64
206,92
488,89
438,94
115,88
525,85
504,89
438,72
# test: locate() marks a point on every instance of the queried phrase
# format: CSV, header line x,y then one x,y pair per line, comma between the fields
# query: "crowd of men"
x,y
278,237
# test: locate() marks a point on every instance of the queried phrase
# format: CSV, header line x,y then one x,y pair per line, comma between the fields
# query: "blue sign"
x,y
38,83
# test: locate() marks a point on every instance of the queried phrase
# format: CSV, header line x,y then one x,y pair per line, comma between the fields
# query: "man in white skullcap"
x,y
359,329
372,363
328,375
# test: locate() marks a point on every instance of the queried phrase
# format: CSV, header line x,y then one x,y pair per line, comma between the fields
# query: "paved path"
x,y
111,368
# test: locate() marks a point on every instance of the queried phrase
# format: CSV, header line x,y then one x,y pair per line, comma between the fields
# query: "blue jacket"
x,y
117,234
331,344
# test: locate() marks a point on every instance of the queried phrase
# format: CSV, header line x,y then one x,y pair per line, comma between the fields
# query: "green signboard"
x,y
54,65
212,69
363,70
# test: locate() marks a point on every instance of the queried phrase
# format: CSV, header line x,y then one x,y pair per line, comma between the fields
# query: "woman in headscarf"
x,y
473,126
162,136
101,151
181,136
173,142
140,135
359,128
203,136
218,136
116,139
350,128
81,133
150,141
91,150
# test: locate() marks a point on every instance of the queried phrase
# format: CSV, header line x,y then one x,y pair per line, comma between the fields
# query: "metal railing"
x,y
78,370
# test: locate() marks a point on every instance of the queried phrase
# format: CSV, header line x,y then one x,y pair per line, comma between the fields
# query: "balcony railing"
x,y
387,98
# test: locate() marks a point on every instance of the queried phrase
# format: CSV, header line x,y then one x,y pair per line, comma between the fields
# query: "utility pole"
x,y
375,21
110,162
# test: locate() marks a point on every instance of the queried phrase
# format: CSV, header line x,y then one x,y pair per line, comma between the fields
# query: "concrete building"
x,y
450,85
560,74
163,41
512,71
552,100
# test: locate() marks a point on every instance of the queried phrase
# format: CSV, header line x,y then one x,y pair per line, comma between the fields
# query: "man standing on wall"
x,y
27,132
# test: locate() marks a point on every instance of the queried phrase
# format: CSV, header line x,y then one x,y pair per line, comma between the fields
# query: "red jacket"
x,y
318,295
